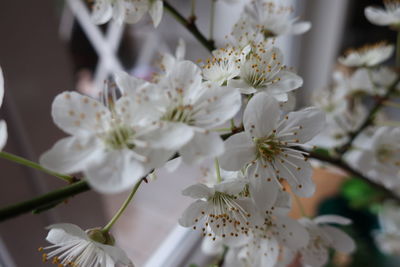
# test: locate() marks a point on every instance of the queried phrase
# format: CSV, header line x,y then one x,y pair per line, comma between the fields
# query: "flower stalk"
x,y
34,165
121,210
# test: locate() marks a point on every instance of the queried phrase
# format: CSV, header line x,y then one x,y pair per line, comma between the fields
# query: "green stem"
x,y
43,200
190,26
232,124
121,210
212,19
217,170
34,165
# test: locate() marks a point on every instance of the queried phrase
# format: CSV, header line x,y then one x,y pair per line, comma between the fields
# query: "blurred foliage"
x,y
361,195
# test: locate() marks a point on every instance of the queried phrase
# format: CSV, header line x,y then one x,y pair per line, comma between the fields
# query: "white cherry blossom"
x,y
3,125
128,11
73,246
387,16
368,55
220,208
185,110
323,237
274,18
109,142
267,147
225,64
380,157
264,71
388,236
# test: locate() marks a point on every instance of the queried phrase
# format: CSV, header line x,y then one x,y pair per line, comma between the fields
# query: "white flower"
x,y
273,18
268,148
323,237
263,71
225,64
75,247
3,125
220,209
380,158
129,11
108,143
169,61
368,55
388,237
185,110
390,15
266,242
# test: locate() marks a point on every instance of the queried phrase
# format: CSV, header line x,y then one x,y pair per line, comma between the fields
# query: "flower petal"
x,y
304,124
263,187
1,87
171,135
193,212
118,171
379,16
156,12
102,11
64,232
291,233
128,84
332,219
198,191
70,155
76,114
239,150
261,115
202,146
301,27
339,240
3,134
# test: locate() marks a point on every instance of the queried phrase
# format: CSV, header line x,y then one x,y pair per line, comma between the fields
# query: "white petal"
x,y
3,134
299,176
222,103
198,191
171,135
117,172
263,187
180,49
202,146
117,255
340,240
64,232
70,155
231,187
128,84
332,219
193,212
288,82
1,87
311,120
239,150
242,85
77,114
301,27
173,164
315,256
291,233
102,11
379,16
156,12
261,115
212,247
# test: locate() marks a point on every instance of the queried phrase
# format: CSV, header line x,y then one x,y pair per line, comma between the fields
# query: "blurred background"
x,y
47,47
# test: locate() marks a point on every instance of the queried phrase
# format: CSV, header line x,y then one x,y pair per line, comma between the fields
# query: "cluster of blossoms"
x,y
136,126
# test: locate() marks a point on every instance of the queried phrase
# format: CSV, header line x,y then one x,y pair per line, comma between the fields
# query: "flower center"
x,y
120,137
181,113
268,147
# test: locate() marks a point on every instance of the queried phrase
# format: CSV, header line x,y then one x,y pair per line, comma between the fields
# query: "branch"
x,y
370,117
55,196
190,26
338,162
